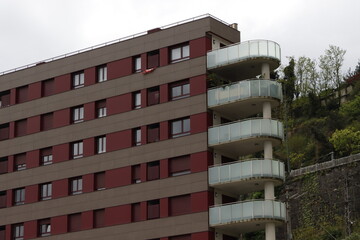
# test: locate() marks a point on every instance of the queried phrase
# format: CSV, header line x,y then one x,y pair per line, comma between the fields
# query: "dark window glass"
x,y
74,222
153,59
21,94
2,199
20,162
44,227
99,218
46,156
2,232
180,127
20,128
179,165
76,185
3,165
153,170
180,90
101,109
153,96
4,99
136,136
153,209
153,133
179,53
182,237
179,205
48,87
46,121
135,212
136,174
99,181
4,131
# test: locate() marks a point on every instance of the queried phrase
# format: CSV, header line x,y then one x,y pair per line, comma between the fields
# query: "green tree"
x,y
346,141
307,76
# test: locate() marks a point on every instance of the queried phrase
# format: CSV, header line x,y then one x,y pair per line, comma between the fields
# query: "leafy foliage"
x,y
346,141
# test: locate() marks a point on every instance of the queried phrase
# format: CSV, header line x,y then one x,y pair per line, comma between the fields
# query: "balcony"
x,y
246,176
241,217
244,60
244,98
246,136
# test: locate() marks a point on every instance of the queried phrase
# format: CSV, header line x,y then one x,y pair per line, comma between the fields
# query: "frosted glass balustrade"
x,y
239,51
243,90
245,129
242,211
246,169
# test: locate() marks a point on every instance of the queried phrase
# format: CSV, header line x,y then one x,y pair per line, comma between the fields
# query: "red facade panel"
x,y
61,152
74,222
200,161
198,85
164,130
118,215
179,205
32,159
88,183
199,123
60,188
47,121
99,218
198,47
87,220
119,140
33,124
180,165
59,225
22,94
164,207
3,199
4,132
63,83
61,118
21,128
119,104
34,91
118,177
164,168
89,147
164,56
200,202
135,212
9,198
119,68
13,96
30,229
164,93
89,111
202,236
3,165
90,76
48,87
31,194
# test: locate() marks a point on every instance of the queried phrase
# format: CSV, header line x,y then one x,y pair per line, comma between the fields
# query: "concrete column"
x,y
218,236
217,157
216,118
265,71
268,150
266,110
270,231
269,191
217,198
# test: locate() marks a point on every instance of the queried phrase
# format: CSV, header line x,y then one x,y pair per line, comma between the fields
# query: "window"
x,y
180,90
44,227
99,218
3,165
76,185
4,131
78,80
153,209
18,231
153,96
4,99
153,133
46,156
20,162
153,59
153,170
181,237
21,94
48,87
179,205
100,108
101,144
102,73
20,128
2,232
135,212
136,174
74,222
180,127
180,53
45,191
136,136
179,165
2,199
77,149
19,196
137,100
137,64
99,179
46,121
78,114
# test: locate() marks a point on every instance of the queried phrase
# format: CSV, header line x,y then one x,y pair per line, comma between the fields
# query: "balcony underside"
x,y
245,68
245,107
252,225
242,147
243,186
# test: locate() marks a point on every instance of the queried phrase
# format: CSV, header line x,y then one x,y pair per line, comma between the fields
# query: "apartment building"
x,y
126,140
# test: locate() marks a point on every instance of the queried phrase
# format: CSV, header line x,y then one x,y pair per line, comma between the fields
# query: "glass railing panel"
x,y
222,56
256,168
254,88
271,49
234,92
275,90
283,210
263,48
258,209
244,89
267,168
277,209
212,97
282,170
224,133
245,128
236,171
233,53
243,50
246,169
214,217
225,213
275,166
278,51
237,214
211,59
223,94
255,127
247,210
214,175
225,173
268,208
254,48
266,127
264,88
274,128
235,131
213,135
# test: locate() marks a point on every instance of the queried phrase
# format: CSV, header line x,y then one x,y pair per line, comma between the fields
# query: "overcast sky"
x,y
33,30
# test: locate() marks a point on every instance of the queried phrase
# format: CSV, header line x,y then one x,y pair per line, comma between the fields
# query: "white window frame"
x,y
183,52
47,159
101,112
78,114
19,196
76,186
19,232
102,74
77,149
137,64
137,100
101,144
182,127
46,191
45,229
78,80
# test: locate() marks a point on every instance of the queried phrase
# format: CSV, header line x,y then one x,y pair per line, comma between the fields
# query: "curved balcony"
x,y
246,136
241,217
243,60
246,176
244,98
